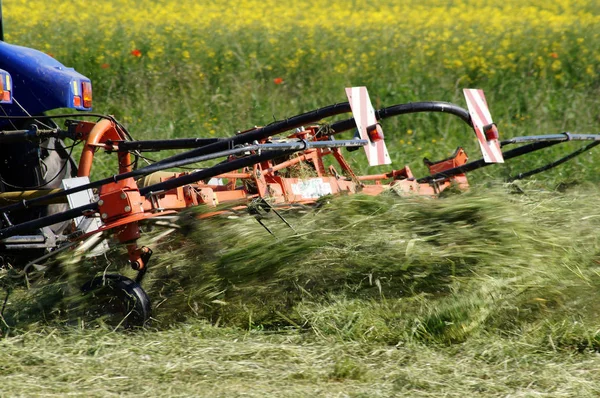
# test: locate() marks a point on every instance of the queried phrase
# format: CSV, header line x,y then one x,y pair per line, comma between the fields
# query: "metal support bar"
x,y
157,145
262,133
552,137
481,163
294,146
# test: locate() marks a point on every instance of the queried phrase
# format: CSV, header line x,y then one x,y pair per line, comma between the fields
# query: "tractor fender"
x,y
40,82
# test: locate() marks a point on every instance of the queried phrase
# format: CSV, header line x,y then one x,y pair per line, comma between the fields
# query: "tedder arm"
x,y
253,165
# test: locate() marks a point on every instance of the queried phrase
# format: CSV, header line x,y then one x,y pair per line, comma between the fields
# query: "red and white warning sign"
x,y
485,129
369,129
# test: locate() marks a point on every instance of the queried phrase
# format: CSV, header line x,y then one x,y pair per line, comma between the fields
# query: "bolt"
x,y
123,195
127,209
100,202
104,216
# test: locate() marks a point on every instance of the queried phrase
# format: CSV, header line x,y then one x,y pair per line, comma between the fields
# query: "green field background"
x,y
186,69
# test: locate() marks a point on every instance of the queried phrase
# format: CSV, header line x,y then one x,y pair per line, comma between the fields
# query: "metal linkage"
x,y
566,136
270,152
289,146
32,134
535,143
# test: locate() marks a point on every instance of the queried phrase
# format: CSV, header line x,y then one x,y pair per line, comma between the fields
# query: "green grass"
x,y
197,360
228,85
488,293
492,292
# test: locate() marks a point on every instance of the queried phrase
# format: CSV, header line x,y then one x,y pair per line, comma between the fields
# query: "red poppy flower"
x,y
278,80
105,66
554,55
136,53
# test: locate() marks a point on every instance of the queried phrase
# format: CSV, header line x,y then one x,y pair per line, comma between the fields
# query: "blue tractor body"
x,y
40,83
33,83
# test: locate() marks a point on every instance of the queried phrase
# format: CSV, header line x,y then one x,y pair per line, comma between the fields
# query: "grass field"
x,y
493,292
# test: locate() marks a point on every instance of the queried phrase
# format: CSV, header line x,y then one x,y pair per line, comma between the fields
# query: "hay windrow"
x,y
375,269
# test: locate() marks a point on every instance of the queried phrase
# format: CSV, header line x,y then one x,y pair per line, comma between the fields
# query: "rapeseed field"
x,y
188,68
471,40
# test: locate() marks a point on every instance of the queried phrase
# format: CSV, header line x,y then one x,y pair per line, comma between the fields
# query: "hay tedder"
x,y
49,205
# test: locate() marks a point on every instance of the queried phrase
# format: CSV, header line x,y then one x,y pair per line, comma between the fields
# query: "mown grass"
x,y
388,269
197,360
492,292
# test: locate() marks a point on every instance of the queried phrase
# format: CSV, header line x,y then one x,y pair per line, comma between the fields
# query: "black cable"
x,y
63,167
552,165
261,133
66,115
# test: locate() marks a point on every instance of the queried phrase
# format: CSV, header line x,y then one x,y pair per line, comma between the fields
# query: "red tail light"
x,y
86,90
491,132
375,132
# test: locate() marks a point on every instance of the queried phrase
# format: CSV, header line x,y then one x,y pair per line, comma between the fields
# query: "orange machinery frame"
x,y
121,206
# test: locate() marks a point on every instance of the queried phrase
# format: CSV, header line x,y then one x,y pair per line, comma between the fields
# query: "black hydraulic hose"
x,y
426,106
169,184
157,145
328,111
46,221
402,109
265,132
513,153
552,165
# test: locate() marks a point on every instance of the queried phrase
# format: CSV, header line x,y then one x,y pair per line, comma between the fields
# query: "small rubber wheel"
x,y
117,301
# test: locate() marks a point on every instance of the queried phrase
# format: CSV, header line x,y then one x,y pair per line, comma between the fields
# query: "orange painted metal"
x,y
458,159
101,132
121,206
269,180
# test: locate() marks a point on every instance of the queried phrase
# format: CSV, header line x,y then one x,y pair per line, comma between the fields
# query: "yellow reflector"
x,y
86,89
8,83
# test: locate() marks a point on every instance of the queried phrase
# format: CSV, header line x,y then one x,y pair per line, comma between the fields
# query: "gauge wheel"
x,y
116,301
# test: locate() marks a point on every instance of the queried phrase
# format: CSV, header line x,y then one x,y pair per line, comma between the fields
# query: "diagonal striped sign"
x,y
482,120
364,116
